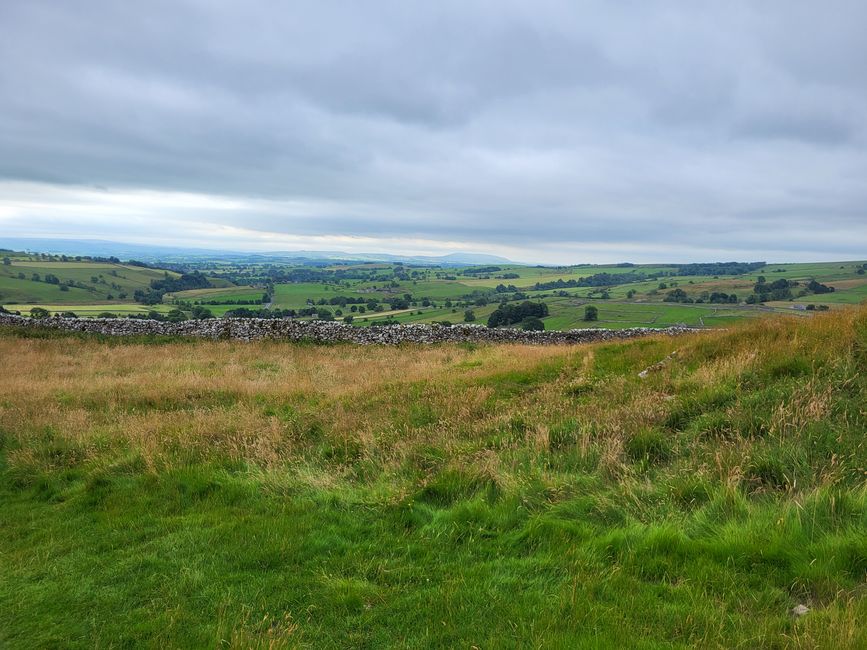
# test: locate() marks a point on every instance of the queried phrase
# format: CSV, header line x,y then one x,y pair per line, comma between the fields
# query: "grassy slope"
x,y
93,310
231,293
125,278
180,493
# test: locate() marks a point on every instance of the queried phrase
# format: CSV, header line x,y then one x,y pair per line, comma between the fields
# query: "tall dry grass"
x,y
269,404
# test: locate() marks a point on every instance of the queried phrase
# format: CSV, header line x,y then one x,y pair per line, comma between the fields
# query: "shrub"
x,y
532,324
510,314
591,313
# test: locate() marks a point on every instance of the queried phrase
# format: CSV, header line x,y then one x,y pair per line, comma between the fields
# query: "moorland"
x,y
168,492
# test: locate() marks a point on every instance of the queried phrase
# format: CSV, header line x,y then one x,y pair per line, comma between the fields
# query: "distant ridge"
x,y
147,253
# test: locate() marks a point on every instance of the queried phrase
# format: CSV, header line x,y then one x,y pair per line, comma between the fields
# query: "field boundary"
x,y
252,329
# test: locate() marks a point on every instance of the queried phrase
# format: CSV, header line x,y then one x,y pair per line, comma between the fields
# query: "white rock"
x,y
799,610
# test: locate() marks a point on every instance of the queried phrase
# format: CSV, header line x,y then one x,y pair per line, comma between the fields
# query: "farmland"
x,y
189,493
624,295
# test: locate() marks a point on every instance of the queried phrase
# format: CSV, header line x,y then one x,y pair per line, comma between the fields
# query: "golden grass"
x,y
763,420
265,403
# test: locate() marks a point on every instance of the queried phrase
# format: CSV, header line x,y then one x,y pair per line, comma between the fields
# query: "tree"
x,y
591,313
818,287
469,316
507,314
532,324
6,261
39,312
676,295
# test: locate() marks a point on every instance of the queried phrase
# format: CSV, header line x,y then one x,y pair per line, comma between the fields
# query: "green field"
x,y
294,296
216,293
435,294
189,493
93,281
120,309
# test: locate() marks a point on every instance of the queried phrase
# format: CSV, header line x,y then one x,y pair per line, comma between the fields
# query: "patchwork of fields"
x,y
366,294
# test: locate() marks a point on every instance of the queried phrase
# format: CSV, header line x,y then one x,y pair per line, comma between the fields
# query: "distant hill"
x,y
145,252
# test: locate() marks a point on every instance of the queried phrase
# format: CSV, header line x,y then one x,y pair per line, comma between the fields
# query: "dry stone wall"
x,y
251,329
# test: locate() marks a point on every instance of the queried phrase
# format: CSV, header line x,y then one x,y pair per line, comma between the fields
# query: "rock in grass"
x,y
799,610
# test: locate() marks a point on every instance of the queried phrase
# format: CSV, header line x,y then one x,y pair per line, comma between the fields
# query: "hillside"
x,y
26,279
189,493
706,295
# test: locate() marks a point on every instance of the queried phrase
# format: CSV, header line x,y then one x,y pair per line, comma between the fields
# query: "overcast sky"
x,y
542,131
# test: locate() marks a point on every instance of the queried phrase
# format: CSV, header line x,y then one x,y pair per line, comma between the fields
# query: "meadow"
x,y
186,493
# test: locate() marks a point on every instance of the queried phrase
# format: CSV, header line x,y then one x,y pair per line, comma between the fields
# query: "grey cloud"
x,y
492,123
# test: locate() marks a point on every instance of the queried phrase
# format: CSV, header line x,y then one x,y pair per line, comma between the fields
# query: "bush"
x,y
591,313
676,295
532,324
39,312
469,316
201,313
512,314
818,287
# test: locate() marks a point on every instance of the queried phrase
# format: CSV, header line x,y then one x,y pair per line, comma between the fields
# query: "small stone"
x,y
799,610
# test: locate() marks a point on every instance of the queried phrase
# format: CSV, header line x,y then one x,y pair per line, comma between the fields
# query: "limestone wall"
x,y
250,329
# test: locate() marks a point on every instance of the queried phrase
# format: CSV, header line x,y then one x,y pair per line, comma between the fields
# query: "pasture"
x,y
224,494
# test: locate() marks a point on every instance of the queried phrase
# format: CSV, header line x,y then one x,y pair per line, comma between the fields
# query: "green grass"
x,y
209,494
294,296
14,290
228,293
89,310
110,279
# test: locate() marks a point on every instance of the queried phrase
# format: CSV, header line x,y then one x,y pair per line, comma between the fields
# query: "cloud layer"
x,y
548,131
